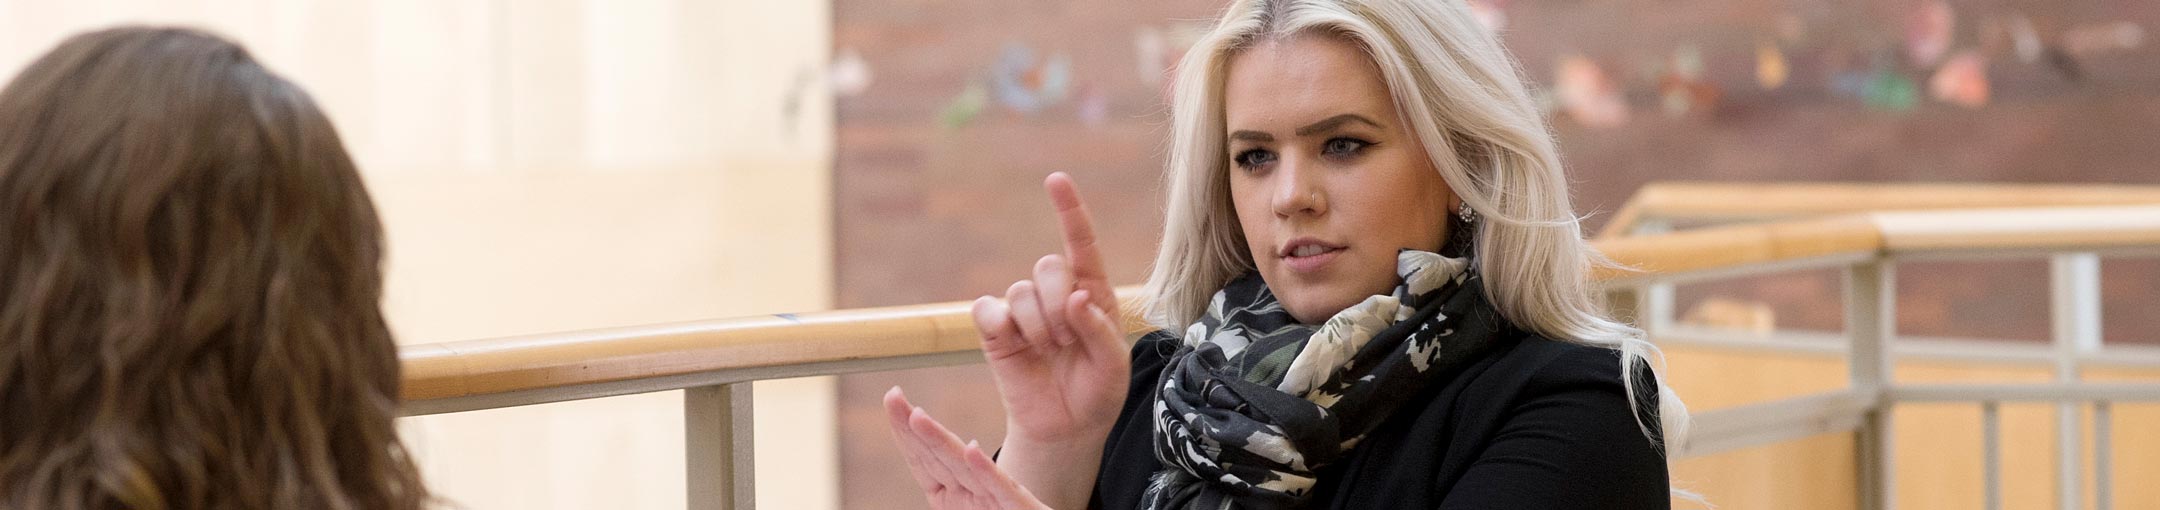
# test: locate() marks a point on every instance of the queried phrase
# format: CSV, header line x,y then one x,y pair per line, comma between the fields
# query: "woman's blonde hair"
x,y
1465,101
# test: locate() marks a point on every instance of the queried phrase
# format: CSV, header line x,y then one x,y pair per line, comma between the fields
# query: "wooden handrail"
x,y
474,368
500,365
553,360
1735,246
1723,202
2031,228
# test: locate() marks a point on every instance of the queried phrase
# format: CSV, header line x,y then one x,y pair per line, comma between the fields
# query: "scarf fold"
x,y
1253,404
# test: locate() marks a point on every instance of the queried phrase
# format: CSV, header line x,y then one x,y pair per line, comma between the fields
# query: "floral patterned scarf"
x,y
1254,404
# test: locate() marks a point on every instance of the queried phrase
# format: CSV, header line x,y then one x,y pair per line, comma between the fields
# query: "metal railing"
x,y
715,361
2071,239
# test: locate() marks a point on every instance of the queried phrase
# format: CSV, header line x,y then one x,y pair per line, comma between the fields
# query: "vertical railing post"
x,y
1871,324
2103,457
2075,313
1991,453
1653,304
719,452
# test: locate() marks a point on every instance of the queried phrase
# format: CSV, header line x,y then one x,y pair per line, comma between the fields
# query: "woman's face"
x,y
1327,181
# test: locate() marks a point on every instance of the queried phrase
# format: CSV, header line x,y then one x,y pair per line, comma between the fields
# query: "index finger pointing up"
x,y
1080,249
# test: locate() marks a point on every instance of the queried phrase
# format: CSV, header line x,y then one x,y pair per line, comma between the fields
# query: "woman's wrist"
x,y
1060,471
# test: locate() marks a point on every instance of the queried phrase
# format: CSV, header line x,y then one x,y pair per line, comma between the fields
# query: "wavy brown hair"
x,y
189,289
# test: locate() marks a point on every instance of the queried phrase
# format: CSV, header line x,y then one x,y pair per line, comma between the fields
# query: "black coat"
x,y
1533,424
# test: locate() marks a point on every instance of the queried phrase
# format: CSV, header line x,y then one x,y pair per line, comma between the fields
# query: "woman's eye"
x,y
1343,146
1253,158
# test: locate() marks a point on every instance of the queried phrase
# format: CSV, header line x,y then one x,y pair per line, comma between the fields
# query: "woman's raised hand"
x,y
1054,343
1056,348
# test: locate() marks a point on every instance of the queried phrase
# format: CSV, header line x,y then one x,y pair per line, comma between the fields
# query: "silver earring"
x,y
1467,214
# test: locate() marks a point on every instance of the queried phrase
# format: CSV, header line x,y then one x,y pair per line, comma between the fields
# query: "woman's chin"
x,y
1316,310
1313,302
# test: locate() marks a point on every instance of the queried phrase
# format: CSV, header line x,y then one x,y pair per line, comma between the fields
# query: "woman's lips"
x,y
1311,263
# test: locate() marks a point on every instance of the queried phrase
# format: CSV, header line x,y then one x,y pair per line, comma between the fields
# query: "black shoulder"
x,y
1561,362
1556,432
1580,369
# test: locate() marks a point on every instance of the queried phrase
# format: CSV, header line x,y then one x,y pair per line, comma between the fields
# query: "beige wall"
x,y
565,164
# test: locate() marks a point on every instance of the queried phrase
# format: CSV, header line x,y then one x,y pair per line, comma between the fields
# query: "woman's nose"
x,y
1297,189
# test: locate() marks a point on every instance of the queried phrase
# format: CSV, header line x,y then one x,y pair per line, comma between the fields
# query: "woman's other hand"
x,y
954,476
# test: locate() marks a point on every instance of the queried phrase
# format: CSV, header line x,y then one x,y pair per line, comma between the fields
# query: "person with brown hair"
x,y
190,288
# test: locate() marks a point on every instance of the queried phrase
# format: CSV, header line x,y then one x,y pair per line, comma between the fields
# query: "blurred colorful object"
x,y
1888,90
1962,80
1686,62
1928,30
1771,70
1681,89
963,108
1021,81
2024,40
1588,96
850,74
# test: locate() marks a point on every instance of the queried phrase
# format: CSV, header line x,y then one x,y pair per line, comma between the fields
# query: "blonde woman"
x,y
1371,293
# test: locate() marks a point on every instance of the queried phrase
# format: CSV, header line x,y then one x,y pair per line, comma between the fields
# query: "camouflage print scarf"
x,y
1254,403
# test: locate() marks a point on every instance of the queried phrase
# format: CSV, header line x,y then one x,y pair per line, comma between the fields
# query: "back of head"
x,y
189,289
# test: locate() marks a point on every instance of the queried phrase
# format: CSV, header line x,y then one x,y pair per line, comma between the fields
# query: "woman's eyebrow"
x,y
1317,127
1334,122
